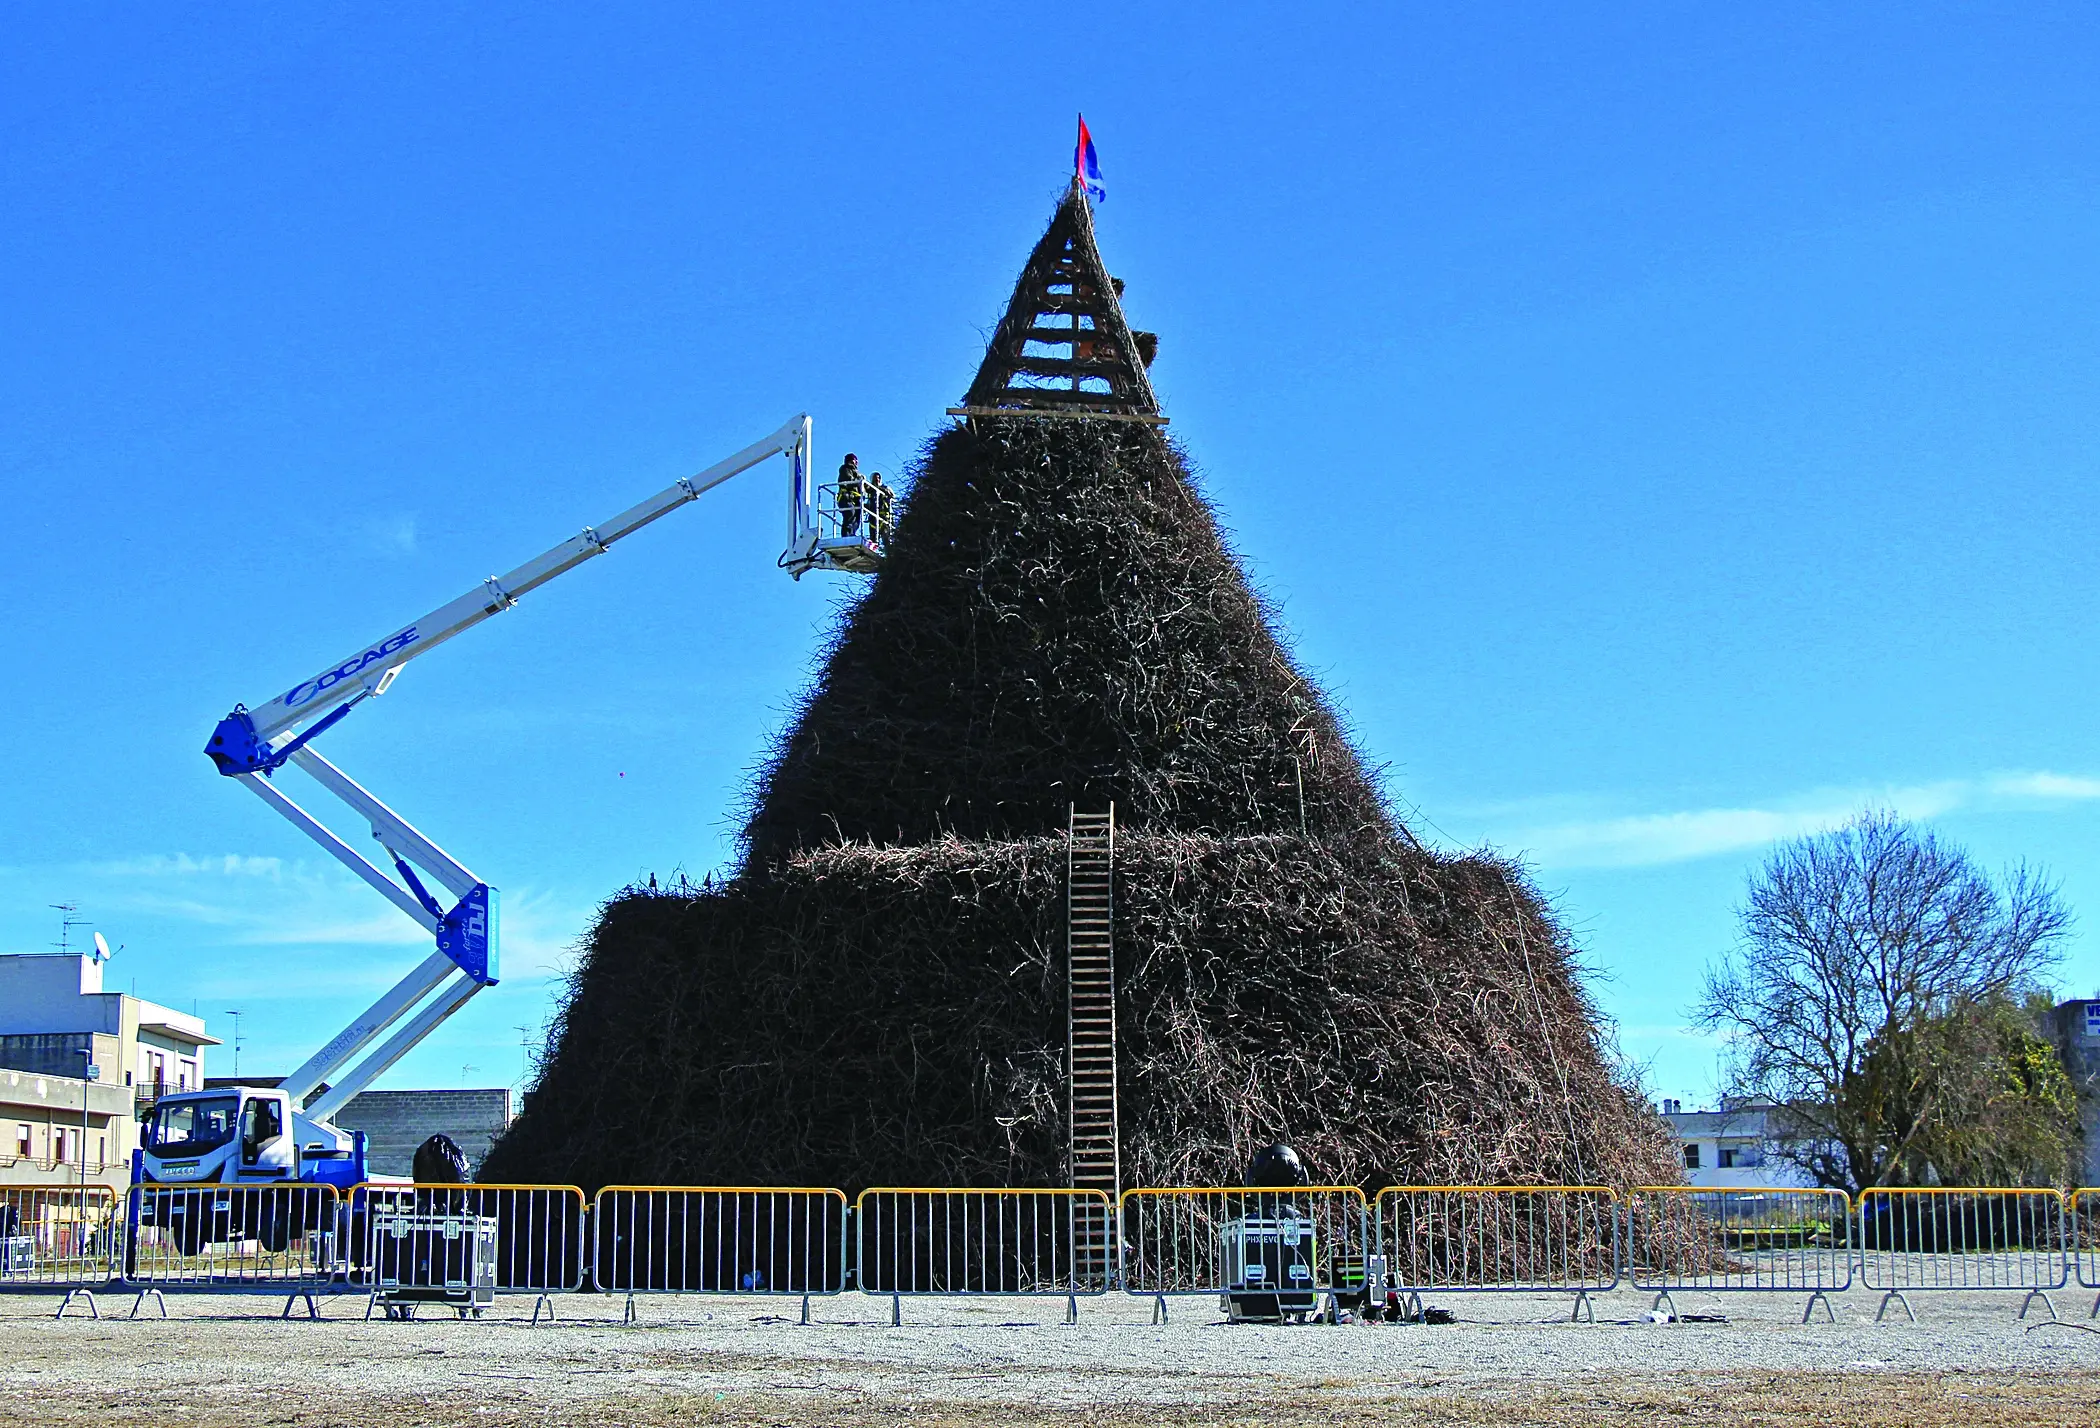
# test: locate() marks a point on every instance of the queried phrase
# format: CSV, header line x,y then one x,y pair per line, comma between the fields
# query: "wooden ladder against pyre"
x,y
1090,1029
1091,1020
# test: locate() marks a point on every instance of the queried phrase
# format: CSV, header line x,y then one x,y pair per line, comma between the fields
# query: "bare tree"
x,y
1876,995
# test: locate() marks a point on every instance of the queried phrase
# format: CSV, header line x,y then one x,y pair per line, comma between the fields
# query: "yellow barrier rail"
x,y
719,1239
2082,1238
1941,1237
283,1239
58,1237
942,1241
1739,1239
1499,1239
542,1240
1266,1252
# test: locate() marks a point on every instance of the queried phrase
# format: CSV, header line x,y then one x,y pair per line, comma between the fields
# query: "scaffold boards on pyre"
x,y
1064,346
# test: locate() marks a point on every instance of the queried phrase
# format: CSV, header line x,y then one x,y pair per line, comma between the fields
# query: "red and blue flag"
x,y
1088,165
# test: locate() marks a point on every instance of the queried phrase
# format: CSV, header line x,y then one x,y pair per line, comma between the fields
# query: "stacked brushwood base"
x,y
876,996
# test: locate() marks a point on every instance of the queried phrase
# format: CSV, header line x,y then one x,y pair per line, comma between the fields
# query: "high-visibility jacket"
x,y
850,495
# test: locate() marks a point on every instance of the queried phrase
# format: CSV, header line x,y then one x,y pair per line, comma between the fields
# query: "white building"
x,y
55,1022
1733,1147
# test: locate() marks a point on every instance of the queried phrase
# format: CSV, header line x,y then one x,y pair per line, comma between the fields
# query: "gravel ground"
x,y
1511,1359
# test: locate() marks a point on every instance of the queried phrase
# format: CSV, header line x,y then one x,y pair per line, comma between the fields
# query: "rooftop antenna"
x,y
524,1057
68,920
236,1015
102,952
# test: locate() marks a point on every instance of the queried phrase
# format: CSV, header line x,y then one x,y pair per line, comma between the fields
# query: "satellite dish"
x,y
102,952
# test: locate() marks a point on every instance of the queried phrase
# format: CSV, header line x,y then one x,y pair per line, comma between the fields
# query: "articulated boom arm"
x,y
260,739
251,745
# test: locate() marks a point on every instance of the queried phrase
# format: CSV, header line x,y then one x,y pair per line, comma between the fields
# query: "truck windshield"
x,y
191,1127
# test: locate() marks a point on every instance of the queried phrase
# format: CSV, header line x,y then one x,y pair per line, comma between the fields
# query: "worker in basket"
x,y
850,489
879,495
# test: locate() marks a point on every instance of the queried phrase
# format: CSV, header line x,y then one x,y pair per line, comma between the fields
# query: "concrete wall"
x,y
396,1122
49,992
2075,1028
57,1053
45,1111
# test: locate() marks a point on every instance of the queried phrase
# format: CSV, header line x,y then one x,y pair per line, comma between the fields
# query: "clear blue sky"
x,y
1665,427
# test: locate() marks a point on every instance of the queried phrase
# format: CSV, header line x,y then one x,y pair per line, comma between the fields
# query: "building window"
x,y
22,1142
62,1146
1691,1155
101,1150
187,1075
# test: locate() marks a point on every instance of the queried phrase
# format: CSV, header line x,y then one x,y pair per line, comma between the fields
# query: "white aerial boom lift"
x,y
272,1136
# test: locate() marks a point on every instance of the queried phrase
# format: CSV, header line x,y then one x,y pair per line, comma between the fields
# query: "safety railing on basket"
x,y
943,1242
864,515
1767,1239
265,1238
1498,1239
1927,1238
1266,1253
715,1239
57,1237
459,1245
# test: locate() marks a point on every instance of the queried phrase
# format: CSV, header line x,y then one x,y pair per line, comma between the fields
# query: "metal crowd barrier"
x,y
1754,1239
1277,1250
1245,1245
54,1237
270,1239
2082,1241
1916,1239
940,1242
541,1244
1527,1239
717,1239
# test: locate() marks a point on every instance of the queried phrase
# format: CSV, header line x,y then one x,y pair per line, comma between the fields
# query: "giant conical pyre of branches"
x,y
877,995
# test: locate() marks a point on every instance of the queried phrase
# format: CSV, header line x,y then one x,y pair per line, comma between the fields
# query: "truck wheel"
x,y
273,1228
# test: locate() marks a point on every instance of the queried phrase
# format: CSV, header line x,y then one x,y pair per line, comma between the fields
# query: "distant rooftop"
x,y
44,992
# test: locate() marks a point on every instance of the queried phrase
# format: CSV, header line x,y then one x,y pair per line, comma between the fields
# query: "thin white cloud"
x,y
144,902
299,944
2045,786
1649,839
186,865
540,932
390,928
1661,837
238,901
391,535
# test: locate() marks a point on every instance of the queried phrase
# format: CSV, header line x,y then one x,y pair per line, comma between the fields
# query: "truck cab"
x,y
244,1135
256,1163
